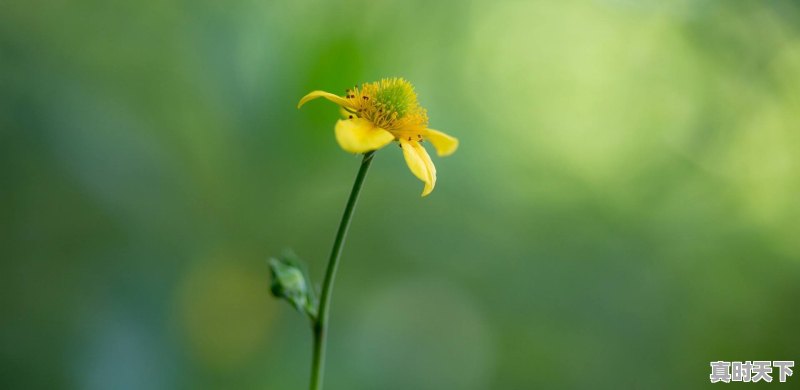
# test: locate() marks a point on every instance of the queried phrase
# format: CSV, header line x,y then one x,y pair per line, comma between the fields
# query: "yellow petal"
x,y
322,94
420,164
429,166
359,135
346,114
445,145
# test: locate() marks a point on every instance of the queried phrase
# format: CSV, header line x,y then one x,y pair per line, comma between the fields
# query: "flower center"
x,y
390,104
395,95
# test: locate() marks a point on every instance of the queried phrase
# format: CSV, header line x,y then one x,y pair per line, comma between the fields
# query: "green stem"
x,y
320,325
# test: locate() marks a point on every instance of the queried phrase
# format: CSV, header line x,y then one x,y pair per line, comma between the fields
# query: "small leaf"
x,y
291,283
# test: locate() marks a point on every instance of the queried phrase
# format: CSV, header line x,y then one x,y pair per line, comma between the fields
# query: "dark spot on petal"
x,y
351,117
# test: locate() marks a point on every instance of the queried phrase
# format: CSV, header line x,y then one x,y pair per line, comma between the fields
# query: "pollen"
x,y
390,104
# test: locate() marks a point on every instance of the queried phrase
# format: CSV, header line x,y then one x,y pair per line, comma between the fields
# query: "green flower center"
x,y
390,104
395,96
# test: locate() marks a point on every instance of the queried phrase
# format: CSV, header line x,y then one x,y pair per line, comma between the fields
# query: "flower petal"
x,y
346,114
445,145
322,94
426,158
420,164
359,135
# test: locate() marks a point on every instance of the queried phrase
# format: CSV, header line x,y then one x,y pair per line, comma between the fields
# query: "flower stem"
x,y
320,324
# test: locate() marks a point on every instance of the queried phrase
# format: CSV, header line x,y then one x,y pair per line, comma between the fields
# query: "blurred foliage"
x,y
625,192
290,282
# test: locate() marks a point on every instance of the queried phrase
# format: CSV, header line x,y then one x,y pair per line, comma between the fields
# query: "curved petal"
x,y
359,135
322,94
420,164
346,114
429,166
445,145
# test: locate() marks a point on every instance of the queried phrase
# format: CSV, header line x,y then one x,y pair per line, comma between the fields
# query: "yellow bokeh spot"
x,y
221,309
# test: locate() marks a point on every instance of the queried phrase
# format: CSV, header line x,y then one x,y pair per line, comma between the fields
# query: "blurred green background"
x,y
622,211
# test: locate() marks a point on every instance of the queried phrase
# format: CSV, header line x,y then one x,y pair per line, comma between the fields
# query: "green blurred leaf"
x,y
290,282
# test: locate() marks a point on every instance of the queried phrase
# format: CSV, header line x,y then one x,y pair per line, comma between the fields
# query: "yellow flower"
x,y
381,112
